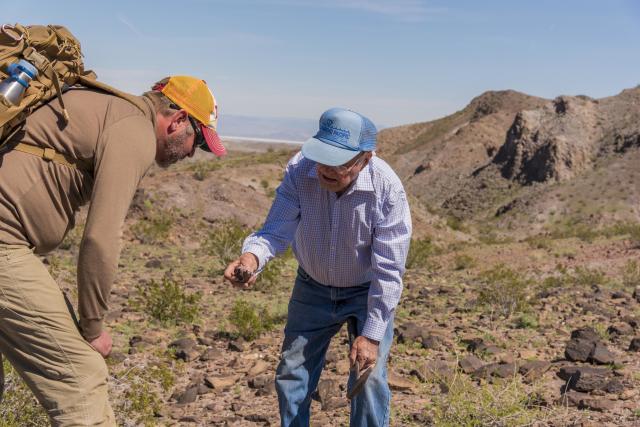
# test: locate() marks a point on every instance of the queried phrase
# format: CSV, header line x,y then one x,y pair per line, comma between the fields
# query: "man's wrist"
x,y
91,328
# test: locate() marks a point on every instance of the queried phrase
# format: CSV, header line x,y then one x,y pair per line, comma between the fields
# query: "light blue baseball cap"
x,y
343,134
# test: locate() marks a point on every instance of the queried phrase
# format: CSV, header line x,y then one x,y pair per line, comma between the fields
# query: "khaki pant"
x,y
40,339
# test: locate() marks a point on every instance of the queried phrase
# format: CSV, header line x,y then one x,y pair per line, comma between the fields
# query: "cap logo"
x,y
337,134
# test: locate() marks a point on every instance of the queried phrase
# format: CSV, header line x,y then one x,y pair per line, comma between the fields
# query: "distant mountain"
x,y
279,128
510,160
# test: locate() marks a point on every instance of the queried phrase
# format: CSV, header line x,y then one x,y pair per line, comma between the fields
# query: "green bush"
x,y
155,226
420,251
168,303
250,320
539,242
527,321
274,271
631,274
202,168
224,242
504,291
500,403
463,262
455,223
584,276
142,386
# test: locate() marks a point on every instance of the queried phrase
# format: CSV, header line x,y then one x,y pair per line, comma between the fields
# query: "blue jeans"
x,y
316,314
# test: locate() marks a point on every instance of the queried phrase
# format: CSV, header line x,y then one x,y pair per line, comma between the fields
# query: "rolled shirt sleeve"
x,y
390,245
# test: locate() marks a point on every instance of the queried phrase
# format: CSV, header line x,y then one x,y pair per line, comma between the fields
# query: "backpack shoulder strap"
x,y
95,84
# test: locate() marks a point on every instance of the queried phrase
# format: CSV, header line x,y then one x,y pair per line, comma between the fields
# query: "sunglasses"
x,y
198,140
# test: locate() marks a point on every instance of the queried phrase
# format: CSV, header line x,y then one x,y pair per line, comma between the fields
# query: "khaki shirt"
x,y
39,199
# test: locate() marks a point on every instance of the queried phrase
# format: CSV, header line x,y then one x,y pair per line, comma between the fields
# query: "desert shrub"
x,y
273,272
527,321
631,274
155,226
455,223
167,302
420,251
500,403
463,262
584,276
73,238
539,242
250,320
634,236
202,168
224,242
504,291
141,389
19,407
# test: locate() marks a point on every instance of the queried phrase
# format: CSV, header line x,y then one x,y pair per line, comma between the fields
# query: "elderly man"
x,y
99,157
346,215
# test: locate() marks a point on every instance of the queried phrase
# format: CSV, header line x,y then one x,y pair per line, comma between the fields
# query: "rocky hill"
x,y
510,158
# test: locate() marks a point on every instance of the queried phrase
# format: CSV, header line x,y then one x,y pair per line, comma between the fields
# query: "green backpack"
x,y
55,52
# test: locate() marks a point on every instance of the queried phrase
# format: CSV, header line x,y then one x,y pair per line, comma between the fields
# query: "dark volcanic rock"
x,y
619,329
185,349
470,364
599,404
588,334
586,378
326,393
236,345
153,263
534,369
263,384
409,332
601,355
211,354
579,350
432,342
500,370
188,396
635,344
573,399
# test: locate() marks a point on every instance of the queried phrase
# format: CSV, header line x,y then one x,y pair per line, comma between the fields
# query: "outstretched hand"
x,y
241,272
102,344
365,351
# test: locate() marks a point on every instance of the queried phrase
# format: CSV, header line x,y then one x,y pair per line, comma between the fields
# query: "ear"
x,y
367,157
178,120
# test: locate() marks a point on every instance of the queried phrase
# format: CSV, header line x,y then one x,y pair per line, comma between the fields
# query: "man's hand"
x,y
103,344
365,351
241,272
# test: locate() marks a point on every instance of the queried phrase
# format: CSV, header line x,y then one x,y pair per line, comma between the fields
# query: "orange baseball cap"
x,y
194,96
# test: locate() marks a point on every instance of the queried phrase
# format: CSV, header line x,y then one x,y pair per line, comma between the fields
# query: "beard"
x,y
174,148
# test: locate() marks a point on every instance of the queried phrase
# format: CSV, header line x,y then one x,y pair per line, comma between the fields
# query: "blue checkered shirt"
x,y
361,236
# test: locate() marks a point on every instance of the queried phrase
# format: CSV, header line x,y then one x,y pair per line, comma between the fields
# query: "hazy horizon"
x,y
397,62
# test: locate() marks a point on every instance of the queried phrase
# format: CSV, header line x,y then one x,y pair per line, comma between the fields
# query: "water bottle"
x,y
13,87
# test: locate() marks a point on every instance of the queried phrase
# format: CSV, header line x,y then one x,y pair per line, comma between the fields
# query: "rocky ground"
x,y
542,331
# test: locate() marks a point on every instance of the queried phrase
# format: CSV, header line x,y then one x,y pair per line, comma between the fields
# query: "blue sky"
x,y
397,62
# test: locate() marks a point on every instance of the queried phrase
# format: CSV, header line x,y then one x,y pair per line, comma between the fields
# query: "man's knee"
x,y
86,400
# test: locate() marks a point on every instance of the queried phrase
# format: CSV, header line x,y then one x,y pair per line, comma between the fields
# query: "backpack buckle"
x,y
49,154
